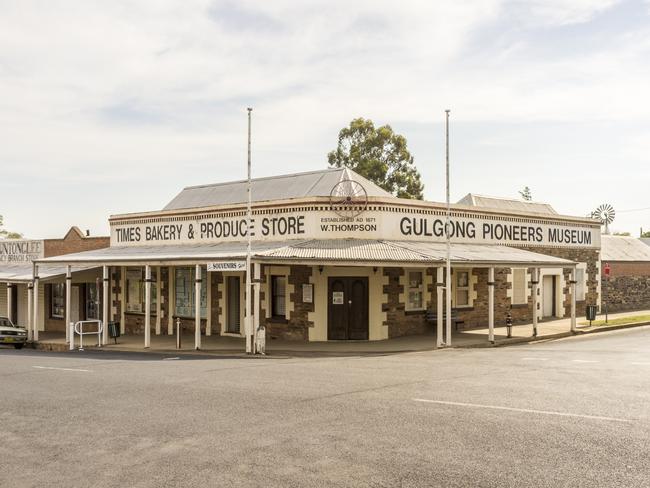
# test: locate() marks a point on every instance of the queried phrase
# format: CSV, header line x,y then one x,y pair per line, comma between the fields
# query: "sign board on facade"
x,y
20,251
307,293
227,266
388,223
337,297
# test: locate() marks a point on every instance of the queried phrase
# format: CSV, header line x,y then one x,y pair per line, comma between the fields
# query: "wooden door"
x,y
548,296
347,309
233,307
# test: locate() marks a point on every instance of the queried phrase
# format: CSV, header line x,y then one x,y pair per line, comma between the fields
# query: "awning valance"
x,y
333,251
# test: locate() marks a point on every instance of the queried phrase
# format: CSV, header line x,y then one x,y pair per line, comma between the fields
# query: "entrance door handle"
x,y
349,302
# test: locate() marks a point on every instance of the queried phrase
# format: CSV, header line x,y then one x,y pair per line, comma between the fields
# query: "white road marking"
x,y
170,359
583,361
525,410
62,369
641,364
534,359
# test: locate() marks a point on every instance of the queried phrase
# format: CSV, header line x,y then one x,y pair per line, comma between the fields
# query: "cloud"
x,y
127,92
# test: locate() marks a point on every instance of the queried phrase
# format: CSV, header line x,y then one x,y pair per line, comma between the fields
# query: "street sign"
x,y
607,270
227,266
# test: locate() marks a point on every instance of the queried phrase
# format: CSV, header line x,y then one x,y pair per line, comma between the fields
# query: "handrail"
x,y
78,328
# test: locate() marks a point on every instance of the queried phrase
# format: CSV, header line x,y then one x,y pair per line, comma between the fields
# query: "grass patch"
x,y
620,320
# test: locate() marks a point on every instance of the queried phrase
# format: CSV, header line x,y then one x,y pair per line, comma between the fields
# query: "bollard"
x,y
178,333
509,324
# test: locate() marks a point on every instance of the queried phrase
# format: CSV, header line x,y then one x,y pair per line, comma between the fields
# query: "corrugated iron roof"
x,y
497,203
620,248
330,250
298,185
23,272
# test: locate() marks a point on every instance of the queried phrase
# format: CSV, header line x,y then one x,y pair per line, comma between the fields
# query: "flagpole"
x,y
448,238
247,295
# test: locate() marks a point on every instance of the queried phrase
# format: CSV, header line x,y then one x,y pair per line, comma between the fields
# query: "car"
x,y
12,335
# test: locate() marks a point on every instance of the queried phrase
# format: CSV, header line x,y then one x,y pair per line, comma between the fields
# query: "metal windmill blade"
x,y
348,198
605,213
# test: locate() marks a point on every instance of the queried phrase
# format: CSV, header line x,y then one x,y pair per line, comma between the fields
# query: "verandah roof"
x,y
333,251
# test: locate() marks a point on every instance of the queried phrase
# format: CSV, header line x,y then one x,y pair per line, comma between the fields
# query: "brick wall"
x,y
399,321
296,326
74,241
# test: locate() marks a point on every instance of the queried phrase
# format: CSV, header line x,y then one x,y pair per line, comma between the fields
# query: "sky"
x,y
114,107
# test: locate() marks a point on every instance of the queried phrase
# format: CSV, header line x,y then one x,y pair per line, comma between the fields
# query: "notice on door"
x,y
337,298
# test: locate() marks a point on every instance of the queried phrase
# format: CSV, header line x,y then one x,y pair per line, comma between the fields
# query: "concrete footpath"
x,y
234,346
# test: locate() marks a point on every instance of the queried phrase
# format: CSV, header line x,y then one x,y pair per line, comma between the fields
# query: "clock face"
x,y
348,199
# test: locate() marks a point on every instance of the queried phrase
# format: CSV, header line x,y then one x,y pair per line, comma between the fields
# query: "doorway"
x,y
347,309
233,304
548,296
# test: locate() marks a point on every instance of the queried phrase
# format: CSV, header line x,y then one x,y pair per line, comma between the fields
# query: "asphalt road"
x,y
574,412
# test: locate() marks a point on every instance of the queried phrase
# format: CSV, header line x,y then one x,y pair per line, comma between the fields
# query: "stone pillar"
x,y
158,298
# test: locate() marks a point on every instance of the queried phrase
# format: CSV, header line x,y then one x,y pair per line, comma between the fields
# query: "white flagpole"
x,y
247,295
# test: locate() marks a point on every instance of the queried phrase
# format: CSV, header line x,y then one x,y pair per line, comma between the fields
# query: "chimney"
x,y
87,233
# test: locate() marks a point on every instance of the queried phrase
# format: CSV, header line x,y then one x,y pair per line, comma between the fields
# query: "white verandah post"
x,y
197,307
68,302
105,288
10,302
491,304
535,283
147,306
30,309
573,299
36,293
439,290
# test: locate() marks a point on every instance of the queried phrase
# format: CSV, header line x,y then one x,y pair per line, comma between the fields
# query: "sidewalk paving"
x,y
222,345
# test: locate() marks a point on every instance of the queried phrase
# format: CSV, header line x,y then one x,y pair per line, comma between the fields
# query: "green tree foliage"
x,y
380,155
622,234
5,234
645,234
526,194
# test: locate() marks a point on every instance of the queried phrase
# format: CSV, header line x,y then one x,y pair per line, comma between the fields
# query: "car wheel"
x,y
19,346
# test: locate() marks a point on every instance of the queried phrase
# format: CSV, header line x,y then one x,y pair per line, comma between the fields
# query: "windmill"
x,y
605,213
348,199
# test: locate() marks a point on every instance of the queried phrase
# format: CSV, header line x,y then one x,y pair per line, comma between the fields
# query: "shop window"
x,y
580,284
415,296
92,301
462,288
135,288
57,300
185,292
519,286
278,296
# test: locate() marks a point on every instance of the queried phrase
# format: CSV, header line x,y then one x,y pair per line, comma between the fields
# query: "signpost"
x,y
608,270
227,266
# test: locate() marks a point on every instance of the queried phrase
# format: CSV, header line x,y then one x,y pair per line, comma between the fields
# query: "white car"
x,y
12,335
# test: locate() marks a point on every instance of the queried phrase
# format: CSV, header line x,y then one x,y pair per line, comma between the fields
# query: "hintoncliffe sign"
x,y
389,223
20,251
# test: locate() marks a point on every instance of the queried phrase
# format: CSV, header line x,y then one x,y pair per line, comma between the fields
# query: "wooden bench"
x,y
432,318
